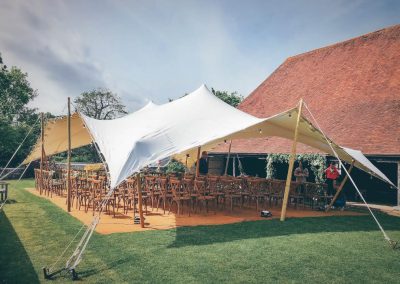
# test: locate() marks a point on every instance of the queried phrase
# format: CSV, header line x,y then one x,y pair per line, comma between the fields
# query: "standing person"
x,y
331,174
301,173
340,201
203,163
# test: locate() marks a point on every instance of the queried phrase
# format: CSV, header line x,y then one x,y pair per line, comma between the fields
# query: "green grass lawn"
x,y
34,232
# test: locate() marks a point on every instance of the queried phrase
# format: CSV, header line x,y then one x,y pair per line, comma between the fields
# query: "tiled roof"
x,y
352,88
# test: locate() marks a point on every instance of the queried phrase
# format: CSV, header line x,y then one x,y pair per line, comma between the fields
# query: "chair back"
x,y
213,184
149,183
188,185
163,185
256,186
200,187
278,187
176,187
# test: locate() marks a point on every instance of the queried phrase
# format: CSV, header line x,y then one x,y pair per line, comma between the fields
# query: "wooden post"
x,y
291,163
139,189
69,157
198,162
227,159
340,187
42,154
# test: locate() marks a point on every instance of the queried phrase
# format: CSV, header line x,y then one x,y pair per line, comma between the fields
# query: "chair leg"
x,y
164,203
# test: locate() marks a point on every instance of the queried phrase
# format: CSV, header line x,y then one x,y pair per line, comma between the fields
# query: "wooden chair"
x,y
243,188
268,191
214,188
296,195
166,195
37,179
203,195
179,195
231,191
97,194
86,193
150,189
310,194
277,191
257,188
129,196
188,187
47,183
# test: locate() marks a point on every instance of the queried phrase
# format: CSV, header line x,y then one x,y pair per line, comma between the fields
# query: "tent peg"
x,y
393,244
49,276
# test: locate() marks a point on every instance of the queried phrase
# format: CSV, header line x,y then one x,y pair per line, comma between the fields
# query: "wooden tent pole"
x,y
69,157
340,187
139,189
227,159
42,153
291,163
198,163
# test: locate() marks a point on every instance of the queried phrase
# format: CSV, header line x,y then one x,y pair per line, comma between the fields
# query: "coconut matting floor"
x,y
157,220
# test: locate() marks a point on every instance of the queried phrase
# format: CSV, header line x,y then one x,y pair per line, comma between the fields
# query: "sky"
x,y
156,50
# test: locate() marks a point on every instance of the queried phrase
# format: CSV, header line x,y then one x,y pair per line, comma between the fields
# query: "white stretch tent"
x,y
178,128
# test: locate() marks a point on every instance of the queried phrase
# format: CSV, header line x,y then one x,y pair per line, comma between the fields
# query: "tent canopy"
x,y
56,135
177,129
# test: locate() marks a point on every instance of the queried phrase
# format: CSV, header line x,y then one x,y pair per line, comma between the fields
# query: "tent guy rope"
x,y
19,147
392,243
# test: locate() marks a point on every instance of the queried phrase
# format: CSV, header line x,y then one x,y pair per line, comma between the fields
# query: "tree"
x,y
234,99
15,93
100,104
16,118
175,166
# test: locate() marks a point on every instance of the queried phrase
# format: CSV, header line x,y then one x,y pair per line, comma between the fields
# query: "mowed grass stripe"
x,y
314,250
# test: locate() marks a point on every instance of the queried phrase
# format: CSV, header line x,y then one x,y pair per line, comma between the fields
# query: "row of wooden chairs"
x,y
192,193
47,184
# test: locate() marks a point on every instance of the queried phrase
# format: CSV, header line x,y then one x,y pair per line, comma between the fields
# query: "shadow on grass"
x,y
205,235
15,264
108,266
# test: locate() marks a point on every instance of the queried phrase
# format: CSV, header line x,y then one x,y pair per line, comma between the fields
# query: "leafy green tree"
x,y
15,93
175,166
100,104
16,118
85,154
234,99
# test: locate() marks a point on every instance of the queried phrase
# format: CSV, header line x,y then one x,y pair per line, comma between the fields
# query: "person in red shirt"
x,y
331,174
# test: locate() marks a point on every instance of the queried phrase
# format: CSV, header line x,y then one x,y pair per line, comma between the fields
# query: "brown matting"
x,y
156,220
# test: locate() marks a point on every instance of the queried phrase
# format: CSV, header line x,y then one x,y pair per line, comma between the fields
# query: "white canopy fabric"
x,y
178,128
132,142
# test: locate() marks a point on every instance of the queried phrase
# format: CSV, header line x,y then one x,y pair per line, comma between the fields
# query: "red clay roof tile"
x,y
352,88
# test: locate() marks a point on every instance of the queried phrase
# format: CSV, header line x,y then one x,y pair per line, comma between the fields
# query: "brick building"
x,y
353,90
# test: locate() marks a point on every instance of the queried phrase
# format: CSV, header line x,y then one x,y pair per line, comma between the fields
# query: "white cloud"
x,y
155,50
